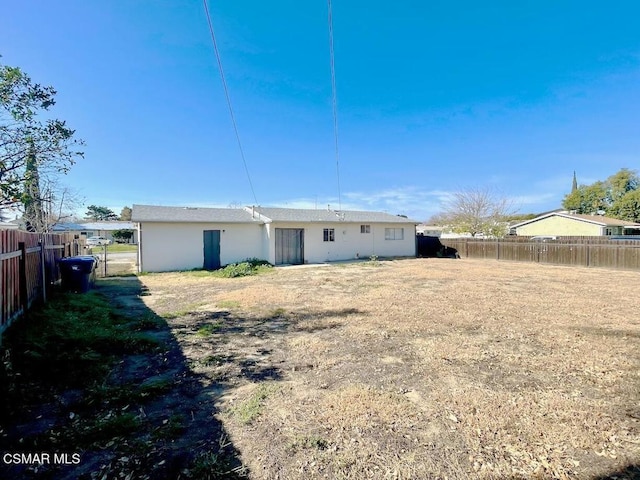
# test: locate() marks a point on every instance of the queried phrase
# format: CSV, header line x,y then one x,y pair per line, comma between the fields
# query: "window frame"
x,y
392,233
329,235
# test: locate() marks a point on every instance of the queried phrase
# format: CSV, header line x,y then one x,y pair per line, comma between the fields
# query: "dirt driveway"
x,y
419,368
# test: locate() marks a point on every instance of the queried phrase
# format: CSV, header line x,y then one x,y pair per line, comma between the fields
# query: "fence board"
x,y
598,252
27,264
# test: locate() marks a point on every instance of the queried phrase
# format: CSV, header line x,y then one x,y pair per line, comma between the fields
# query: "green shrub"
x,y
251,266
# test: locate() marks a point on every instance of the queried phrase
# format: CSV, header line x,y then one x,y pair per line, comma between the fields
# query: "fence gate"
x,y
289,246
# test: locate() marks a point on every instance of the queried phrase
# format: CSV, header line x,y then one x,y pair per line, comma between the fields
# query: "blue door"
x,y
211,249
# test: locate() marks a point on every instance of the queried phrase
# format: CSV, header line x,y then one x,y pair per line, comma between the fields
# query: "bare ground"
x,y
419,368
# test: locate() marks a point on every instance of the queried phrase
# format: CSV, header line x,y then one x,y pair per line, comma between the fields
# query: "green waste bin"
x,y
78,273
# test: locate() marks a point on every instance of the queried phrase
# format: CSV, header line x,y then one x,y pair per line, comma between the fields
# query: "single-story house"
x,y
572,224
181,238
103,229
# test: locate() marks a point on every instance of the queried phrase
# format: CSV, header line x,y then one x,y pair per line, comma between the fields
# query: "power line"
x,y
226,93
335,102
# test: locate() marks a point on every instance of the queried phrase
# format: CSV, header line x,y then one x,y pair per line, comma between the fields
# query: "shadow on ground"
x,y
150,416
631,472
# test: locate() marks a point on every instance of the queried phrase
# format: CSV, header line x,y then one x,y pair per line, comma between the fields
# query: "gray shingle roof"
x,y
114,225
153,213
328,216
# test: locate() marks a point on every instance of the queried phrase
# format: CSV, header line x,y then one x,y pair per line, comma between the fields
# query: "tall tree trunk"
x,y
32,198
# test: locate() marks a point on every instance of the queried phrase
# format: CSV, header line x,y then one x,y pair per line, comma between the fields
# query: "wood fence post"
x,y
43,271
22,274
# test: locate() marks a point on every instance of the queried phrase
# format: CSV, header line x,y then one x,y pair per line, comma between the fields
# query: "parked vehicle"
x,y
97,240
543,238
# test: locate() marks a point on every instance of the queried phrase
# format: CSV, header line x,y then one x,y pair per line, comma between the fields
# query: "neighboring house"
x,y
429,230
12,225
177,238
571,224
103,229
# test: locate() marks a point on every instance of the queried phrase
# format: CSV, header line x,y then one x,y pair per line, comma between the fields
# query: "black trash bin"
x,y
77,273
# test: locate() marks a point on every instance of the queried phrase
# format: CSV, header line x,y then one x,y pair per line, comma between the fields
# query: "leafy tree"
x,y
125,214
123,235
32,148
613,197
477,211
98,213
621,183
588,199
627,207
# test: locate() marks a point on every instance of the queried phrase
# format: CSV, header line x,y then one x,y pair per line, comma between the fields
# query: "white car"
x,y
97,240
543,238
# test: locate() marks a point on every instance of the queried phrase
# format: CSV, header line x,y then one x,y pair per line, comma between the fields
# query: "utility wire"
x,y
335,102
226,93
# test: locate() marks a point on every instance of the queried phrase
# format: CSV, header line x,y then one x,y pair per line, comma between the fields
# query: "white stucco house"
x,y
181,238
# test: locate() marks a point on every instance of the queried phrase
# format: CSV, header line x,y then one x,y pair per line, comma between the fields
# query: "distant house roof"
x,y
106,226
67,227
13,225
326,215
114,225
153,213
595,219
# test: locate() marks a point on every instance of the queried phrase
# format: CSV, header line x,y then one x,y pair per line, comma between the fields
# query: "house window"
x,y
329,235
394,233
365,228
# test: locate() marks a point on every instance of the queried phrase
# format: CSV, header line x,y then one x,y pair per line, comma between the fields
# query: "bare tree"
x,y
125,214
477,211
57,204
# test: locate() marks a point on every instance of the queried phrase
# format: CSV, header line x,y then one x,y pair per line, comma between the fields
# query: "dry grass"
x,y
420,368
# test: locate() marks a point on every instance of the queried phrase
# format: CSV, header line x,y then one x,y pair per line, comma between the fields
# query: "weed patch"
x,y
251,408
307,442
111,427
278,313
228,304
171,428
208,329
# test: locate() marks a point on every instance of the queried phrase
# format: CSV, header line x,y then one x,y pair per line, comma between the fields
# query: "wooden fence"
x,y
29,263
578,251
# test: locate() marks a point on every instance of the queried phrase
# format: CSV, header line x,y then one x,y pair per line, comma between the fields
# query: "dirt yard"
x,y
419,368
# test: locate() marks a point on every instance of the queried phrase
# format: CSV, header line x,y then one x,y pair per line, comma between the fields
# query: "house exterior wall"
x,y
349,243
560,226
180,246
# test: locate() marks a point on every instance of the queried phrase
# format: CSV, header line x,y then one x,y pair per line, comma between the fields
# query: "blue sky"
x,y
432,97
